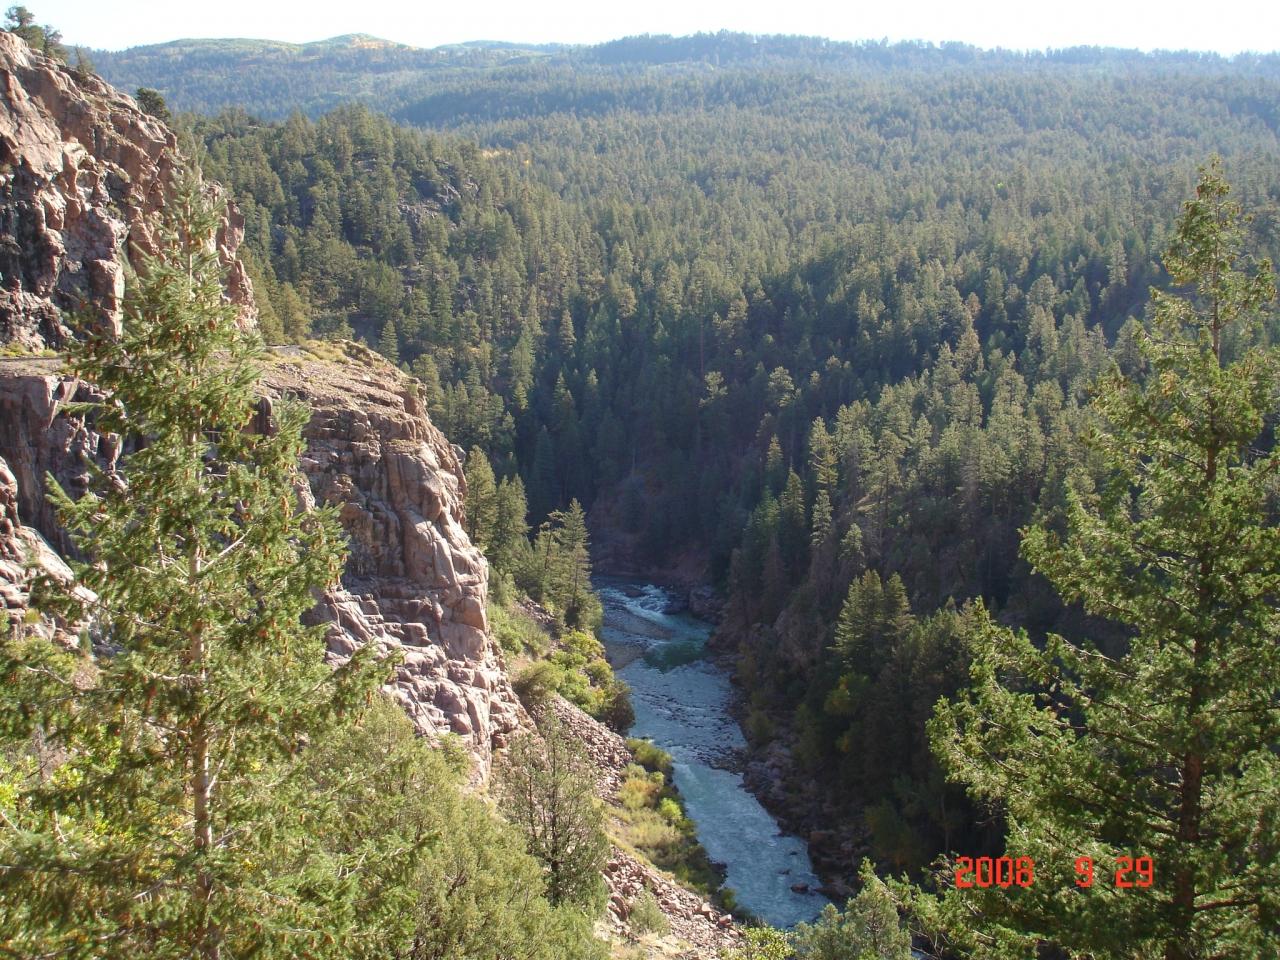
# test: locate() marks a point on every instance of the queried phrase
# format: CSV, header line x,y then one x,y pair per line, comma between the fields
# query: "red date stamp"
x,y
1006,872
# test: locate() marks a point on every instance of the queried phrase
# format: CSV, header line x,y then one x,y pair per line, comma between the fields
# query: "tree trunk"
x,y
201,785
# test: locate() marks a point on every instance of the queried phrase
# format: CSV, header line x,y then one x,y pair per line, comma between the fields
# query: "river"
x,y
682,704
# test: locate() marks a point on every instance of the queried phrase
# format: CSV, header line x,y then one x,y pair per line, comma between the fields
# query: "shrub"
x,y
646,916
535,684
650,756
670,810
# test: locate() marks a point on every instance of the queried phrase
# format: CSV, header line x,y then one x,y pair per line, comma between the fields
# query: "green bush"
x,y
576,670
650,756
762,943
516,632
536,683
615,707
670,810
646,916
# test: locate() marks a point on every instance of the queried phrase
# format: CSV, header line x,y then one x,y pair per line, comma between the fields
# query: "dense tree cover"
x,y
828,315
192,779
273,79
488,81
1166,750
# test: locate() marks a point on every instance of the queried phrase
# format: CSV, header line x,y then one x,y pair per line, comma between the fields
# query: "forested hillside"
x,y
826,316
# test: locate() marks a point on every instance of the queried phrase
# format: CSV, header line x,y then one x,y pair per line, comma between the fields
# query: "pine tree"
x,y
570,575
389,342
775,469
482,499
868,929
874,616
152,102
793,525
511,529
144,821
1167,751
22,22
544,487
547,789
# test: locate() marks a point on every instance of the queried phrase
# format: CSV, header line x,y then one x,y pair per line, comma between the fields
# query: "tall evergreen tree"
x,y
1167,751
510,526
482,499
570,574
547,789
144,820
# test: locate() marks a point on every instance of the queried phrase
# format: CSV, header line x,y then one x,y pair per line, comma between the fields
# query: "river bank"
x,y
683,703
835,845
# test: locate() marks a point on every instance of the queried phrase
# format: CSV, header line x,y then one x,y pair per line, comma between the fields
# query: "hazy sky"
x,y
1227,27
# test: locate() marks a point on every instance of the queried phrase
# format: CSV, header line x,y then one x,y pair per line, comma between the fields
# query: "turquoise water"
x,y
682,704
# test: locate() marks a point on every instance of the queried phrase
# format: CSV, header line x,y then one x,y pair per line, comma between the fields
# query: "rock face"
x,y
81,167
413,579
81,171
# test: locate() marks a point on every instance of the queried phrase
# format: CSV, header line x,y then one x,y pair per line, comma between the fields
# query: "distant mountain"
x,y
272,79
483,81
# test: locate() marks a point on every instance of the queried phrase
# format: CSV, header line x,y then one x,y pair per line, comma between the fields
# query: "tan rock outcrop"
x,y
413,578
81,169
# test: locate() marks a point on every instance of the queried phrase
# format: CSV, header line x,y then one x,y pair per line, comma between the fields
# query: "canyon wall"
x,y
82,172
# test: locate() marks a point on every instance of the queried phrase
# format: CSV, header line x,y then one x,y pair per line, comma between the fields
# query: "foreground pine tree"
x,y
1159,765
140,812
546,788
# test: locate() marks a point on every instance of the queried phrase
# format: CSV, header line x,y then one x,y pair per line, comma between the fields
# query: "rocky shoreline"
x,y
767,770
698,930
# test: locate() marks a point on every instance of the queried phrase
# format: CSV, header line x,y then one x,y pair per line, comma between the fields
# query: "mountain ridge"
x,y
270,79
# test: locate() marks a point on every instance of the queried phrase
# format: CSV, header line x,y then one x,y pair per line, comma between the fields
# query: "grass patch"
x,y
18,349
652,821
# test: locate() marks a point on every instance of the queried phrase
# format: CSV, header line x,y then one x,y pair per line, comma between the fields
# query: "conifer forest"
x,y
946,378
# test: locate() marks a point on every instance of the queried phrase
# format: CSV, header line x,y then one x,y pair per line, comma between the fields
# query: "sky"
x,y
1227,27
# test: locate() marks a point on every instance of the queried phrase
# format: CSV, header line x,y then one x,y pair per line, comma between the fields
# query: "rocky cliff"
x,y
81,169
413,577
